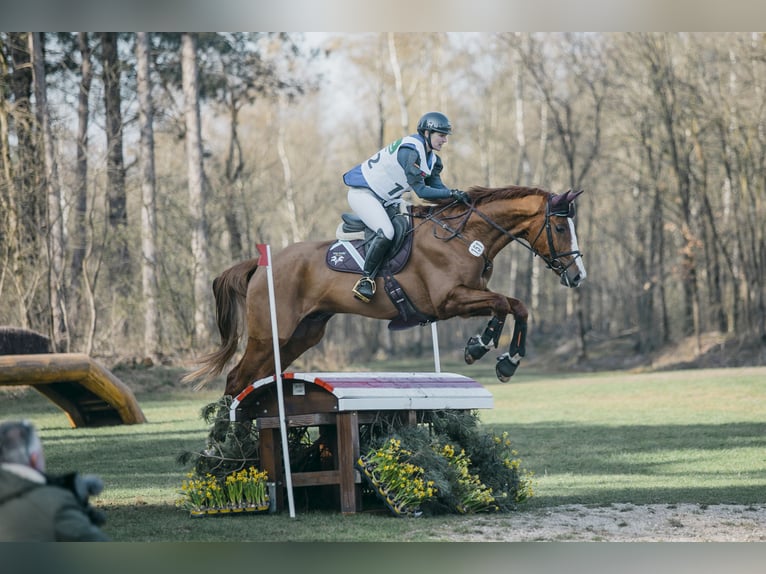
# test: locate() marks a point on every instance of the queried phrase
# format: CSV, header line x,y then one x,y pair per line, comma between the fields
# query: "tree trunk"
x,y
54,222
294,225
397,72
79,234
118,262
148,204
233,174
199,240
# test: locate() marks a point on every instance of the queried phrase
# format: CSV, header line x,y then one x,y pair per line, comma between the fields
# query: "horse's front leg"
x,y
479,345
507,363
471,302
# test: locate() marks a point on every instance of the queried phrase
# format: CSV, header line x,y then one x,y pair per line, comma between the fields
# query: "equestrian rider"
x,y
408,164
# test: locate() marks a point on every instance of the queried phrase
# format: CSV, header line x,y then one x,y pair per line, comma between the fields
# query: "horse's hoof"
x,y
506,366
474,350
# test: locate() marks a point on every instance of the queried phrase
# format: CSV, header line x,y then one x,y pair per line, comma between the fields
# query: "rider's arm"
x,y
408,158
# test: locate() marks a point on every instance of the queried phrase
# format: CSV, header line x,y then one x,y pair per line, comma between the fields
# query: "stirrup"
x,y
364,281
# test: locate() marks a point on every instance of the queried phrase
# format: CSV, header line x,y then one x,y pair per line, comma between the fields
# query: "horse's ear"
x,y
571,195
564,199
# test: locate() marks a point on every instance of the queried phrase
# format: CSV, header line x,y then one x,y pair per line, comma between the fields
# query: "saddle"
x,y
348,252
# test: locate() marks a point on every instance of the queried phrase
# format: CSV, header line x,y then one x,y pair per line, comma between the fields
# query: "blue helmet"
x,y
434,122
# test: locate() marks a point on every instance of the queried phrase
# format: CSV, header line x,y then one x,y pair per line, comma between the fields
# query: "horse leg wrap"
x,y
508,362
476,348
519,339
506,366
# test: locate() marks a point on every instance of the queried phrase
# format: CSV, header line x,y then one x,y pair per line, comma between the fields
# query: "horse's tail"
x,y
230,291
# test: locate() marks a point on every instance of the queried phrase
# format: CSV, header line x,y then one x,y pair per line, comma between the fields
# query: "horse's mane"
x,y
480,194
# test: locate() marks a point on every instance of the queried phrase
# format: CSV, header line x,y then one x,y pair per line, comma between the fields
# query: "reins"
x,y
554,262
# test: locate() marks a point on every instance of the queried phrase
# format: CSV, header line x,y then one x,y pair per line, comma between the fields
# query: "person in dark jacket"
x,y
35,507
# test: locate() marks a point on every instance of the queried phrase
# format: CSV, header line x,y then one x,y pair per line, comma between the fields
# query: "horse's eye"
x,y
560,228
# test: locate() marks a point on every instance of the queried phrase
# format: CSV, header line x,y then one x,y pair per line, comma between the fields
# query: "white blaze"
x,y
576,248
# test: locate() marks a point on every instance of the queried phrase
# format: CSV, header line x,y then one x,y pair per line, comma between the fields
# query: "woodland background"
x,y
136,167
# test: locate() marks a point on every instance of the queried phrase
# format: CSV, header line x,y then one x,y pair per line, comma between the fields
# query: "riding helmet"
x,y
434,122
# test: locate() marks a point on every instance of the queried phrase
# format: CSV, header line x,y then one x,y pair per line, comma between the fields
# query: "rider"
x,y
379,182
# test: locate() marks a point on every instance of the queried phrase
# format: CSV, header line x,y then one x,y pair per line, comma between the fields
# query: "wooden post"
x,y
269,451
348,453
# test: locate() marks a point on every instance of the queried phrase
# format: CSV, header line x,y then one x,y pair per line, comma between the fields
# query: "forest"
x,y
135,167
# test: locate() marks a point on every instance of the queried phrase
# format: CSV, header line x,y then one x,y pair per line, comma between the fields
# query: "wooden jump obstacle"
x,y
338,404
89,394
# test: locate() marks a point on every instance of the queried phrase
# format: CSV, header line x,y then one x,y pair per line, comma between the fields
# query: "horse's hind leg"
x,y
308,334
258,359
257,362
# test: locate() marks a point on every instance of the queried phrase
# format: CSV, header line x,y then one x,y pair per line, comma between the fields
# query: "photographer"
x,y
35,507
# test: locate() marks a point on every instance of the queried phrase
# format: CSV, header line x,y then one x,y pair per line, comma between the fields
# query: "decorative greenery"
x,y
473,495
466,469
230,446
491,457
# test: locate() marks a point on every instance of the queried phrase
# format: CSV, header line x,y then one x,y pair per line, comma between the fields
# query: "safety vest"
x,y
385,176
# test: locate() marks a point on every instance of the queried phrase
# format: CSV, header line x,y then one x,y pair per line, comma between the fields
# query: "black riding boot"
x,y
364,289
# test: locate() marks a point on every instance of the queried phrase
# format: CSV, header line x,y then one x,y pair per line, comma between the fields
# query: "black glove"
x,y
83,486
458,195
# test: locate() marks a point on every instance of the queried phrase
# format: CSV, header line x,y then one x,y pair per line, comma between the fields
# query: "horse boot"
x,y
364,290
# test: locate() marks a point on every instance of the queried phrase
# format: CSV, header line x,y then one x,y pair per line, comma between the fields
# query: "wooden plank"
x,y
309,420
316,478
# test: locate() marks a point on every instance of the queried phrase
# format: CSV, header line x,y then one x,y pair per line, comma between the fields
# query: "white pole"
x,y
435,340
265,251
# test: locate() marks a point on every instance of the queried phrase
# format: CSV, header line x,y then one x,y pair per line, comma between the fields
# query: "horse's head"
x,y
556,242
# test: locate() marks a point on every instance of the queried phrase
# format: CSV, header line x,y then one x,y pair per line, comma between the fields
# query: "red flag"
x,y
263,249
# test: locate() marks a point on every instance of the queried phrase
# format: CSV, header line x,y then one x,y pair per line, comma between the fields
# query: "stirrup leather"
x,y
362,282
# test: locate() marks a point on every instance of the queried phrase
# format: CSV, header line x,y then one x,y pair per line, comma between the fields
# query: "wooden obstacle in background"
x,y
338,404
89,394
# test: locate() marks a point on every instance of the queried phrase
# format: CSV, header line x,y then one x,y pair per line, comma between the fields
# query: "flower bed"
x,y
240,492
397,482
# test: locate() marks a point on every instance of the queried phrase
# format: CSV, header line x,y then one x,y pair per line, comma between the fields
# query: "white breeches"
x,y
370,210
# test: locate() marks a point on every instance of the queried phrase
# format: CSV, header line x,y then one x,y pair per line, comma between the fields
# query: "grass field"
x,y
694,436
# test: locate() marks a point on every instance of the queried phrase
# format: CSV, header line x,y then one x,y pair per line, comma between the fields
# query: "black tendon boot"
x,y
376,252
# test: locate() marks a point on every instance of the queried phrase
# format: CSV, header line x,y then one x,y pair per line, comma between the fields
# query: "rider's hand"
x,y
87,485
458,195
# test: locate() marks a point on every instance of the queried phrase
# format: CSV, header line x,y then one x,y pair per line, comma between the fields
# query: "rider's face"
x,y
438,140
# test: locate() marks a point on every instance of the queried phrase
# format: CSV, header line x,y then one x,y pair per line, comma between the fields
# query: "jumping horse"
x,y
454,244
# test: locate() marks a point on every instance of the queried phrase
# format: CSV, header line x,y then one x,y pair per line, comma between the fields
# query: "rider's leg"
x,y
369,209
377,249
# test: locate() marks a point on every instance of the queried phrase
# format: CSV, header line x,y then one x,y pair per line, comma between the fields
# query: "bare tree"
x,y
79,235
117,198
197,199
54,221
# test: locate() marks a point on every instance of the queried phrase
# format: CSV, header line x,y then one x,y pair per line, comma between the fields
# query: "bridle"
x,y
554,261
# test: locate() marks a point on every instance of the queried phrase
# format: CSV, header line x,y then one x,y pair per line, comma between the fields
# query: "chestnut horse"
x,y
451,262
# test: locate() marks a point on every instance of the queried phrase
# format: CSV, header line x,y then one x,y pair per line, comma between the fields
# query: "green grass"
x,y
596,439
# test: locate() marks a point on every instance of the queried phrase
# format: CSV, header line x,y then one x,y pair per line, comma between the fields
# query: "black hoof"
x,y
474,350
506,366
